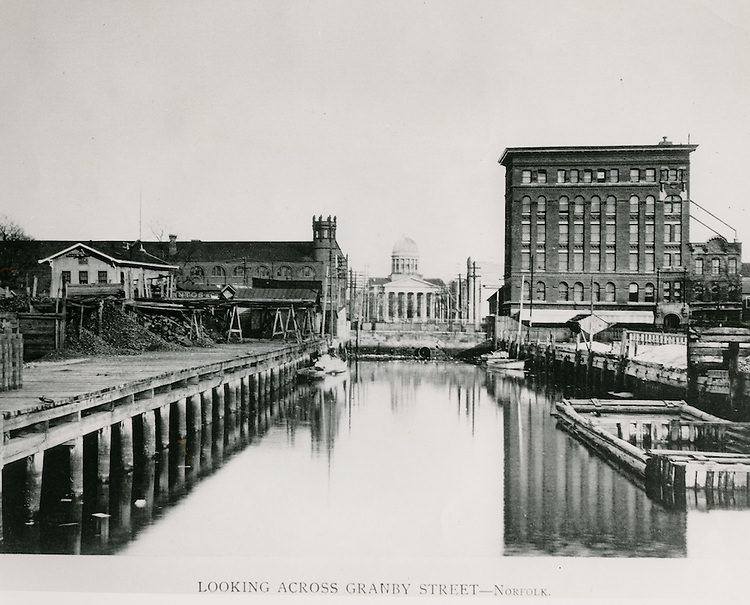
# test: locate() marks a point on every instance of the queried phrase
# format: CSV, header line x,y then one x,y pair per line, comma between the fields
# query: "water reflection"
x,y
560,499
394,459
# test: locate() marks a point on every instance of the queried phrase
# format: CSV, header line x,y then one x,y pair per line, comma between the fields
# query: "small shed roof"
x,y
275,296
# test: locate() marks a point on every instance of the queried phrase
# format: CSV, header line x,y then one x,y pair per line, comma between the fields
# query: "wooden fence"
x,y
11,360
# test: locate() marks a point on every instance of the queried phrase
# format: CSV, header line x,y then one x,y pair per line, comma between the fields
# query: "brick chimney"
x,y
172,245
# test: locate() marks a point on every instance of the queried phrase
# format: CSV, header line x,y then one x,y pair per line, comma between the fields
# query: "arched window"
x,y
633,292
218,275
562,291
197,274
650,205
541,291
611,207
525,204
698,292
307,272
284,272
526,290
648,293
264,272
609,292
732,292
578,206
238,271
596,292
541,205
714,291
563,205
596,205
578,292
673,204
634,203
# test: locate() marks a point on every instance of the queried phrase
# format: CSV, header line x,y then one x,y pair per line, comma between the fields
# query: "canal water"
x,y
399,458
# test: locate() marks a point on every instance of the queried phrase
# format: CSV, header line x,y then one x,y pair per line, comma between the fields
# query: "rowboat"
x,y
325,365
499,360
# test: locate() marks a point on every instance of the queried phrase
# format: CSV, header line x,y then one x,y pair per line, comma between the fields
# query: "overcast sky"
x,y
240,120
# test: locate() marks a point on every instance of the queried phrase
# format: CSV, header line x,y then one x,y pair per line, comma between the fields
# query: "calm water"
x,y
398,459
416,459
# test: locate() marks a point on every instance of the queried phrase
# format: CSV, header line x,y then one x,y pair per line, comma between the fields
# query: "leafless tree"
x,y
11,231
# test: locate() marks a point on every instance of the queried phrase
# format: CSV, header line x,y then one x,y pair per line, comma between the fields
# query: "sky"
x,y
240,120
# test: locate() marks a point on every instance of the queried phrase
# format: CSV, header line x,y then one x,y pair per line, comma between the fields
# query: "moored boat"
x,y
325,365
499,360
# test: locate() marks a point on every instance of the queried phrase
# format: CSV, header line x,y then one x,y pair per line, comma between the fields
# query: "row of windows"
x,y
283,272
672,205
573,260
716,266
83,277
672,233
604,175
577,292
671,292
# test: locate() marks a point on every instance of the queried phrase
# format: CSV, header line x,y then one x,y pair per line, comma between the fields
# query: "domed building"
x,y
406,296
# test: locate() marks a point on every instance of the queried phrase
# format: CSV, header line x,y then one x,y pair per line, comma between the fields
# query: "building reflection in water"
x,y
479,464
561,499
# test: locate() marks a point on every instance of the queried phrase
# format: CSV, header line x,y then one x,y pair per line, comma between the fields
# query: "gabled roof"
x,y
125,255
398,280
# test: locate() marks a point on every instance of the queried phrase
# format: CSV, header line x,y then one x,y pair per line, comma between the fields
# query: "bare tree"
x,y
11,231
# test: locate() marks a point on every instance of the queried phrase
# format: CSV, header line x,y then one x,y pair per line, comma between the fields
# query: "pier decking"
x,y
162,397
667,445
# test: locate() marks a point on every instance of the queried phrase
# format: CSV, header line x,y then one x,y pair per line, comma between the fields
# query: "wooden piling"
x,y
32,495
125,430
230,397
148,423
207,407
75,452
179,409
103,453
163,425
245,395
194,413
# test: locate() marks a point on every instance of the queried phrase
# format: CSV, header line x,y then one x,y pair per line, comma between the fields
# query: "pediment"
x,y
410,282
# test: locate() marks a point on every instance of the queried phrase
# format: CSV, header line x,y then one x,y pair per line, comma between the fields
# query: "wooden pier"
x,y
130,407
663,443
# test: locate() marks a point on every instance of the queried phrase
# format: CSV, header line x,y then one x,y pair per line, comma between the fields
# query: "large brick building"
x,y
602,227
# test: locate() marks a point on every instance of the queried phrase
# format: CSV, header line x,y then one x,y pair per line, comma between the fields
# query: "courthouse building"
x,y
603,227
406,296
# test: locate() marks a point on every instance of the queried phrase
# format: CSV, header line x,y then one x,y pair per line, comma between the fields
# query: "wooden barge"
x,y
666,445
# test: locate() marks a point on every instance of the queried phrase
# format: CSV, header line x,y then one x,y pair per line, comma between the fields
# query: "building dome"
x,y
406,247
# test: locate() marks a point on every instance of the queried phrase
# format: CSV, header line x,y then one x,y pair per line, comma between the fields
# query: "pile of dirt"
x,y
176,329
24,304
118,334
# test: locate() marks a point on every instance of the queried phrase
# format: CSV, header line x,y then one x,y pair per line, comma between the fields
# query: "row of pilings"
x,y
590,374
90,492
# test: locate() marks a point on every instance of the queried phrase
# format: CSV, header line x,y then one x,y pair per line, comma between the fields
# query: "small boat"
x,y
499,360
325,365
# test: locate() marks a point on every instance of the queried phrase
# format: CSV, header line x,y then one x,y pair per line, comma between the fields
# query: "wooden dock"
x,y
663,443
160,397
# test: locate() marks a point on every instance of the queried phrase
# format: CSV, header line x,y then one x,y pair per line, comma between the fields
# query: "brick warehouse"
x,y
603,227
